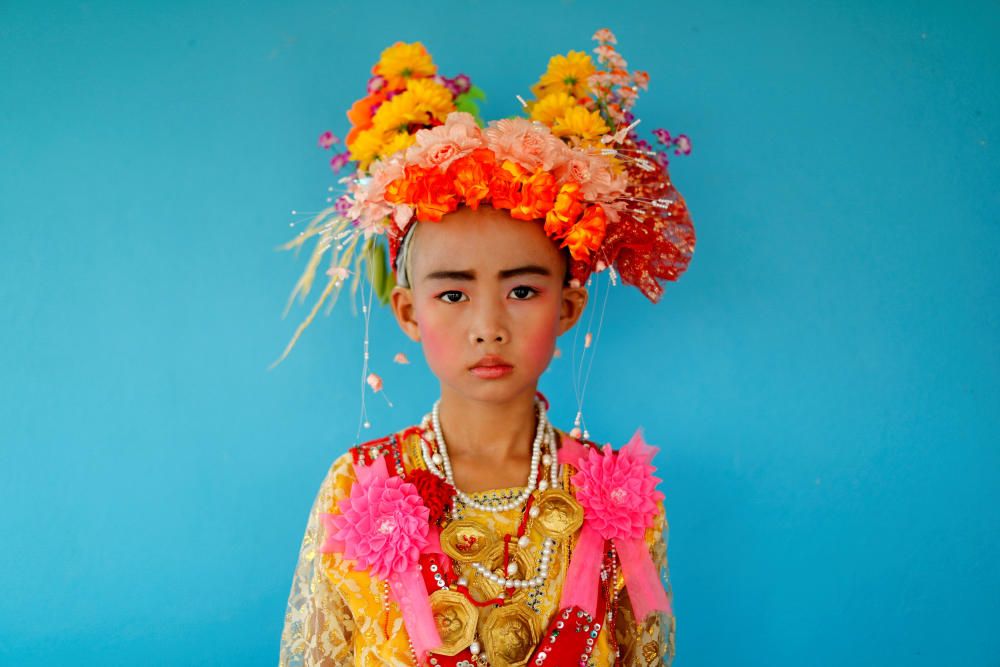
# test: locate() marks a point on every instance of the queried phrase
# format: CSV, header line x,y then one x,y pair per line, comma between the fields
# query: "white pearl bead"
x,y
522,541
475,648
534,512
547,459
436,458
543,485
543,432
511,568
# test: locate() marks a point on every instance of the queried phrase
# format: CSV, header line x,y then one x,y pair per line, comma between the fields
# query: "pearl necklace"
x,y
543,432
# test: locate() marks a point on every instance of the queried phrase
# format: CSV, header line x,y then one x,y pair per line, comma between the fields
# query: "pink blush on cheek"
x,y
436,345
538,349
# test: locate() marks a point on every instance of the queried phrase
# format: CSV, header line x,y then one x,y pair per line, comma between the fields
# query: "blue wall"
x,y
823,382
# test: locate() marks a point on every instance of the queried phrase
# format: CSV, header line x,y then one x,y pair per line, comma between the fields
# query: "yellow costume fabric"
x,y
338,616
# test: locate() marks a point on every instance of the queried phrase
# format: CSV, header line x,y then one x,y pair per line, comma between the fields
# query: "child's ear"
x,y
574,300
402,308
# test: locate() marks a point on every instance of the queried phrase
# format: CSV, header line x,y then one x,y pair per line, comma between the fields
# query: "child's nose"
x,y
489,324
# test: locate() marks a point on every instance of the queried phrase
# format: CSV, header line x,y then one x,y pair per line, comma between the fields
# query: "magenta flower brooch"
x,y
618,494
383,527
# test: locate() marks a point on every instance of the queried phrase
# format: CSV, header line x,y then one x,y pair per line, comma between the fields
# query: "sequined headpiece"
x,y
576,163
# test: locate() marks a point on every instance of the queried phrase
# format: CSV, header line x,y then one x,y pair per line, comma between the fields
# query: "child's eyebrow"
x,y
528,269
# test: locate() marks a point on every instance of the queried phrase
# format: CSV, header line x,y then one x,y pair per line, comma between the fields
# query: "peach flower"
x,y
442,145
530,144
368,204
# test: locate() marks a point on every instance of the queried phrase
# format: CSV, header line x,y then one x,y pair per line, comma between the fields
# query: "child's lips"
x,y
492,372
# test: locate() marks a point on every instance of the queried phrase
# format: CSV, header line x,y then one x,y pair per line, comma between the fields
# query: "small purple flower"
x,y
342,205
375,84
451,86
661,158
340,160
663,136
327,139
463,83
683,144
643,145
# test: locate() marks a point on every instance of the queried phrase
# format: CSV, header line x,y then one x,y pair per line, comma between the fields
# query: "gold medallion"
x,y
510,635
466,540
559,514
456,620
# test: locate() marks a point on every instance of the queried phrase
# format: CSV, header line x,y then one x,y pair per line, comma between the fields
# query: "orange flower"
x,y
434,196
471,175
586,235
360,114
537,194
505,186
402,190
566,209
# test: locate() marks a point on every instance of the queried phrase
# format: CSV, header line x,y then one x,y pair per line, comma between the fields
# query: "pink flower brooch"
x,y
383,527
618,494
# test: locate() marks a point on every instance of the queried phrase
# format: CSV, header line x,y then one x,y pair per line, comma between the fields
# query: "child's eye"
x,y
523,292
446,296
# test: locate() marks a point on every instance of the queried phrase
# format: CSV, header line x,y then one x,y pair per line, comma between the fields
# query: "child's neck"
x,y
486,432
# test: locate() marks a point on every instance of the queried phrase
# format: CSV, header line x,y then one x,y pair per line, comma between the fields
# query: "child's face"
x,y
485,285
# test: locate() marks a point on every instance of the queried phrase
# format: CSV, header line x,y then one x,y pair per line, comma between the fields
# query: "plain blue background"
x,y
823,382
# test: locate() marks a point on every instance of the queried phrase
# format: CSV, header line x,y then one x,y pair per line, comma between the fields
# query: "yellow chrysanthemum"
x,y
398,113
566,74
552,107
397,142
366,147
580,122
431,97
401,62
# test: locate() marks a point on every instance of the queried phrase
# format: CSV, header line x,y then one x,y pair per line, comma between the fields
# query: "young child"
x,y
484,535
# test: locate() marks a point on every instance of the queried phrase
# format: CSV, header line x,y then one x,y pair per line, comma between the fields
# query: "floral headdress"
x,y
576,164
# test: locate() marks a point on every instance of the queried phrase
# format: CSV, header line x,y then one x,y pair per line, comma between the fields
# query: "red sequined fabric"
x,y
650,243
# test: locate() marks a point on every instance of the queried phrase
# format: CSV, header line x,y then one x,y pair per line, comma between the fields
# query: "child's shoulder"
x,y
394,448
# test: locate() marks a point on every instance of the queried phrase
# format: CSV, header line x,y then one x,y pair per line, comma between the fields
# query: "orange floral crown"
x,y
420,149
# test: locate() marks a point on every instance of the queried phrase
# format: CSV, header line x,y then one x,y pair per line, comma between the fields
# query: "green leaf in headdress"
x,y
382,279
467,102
